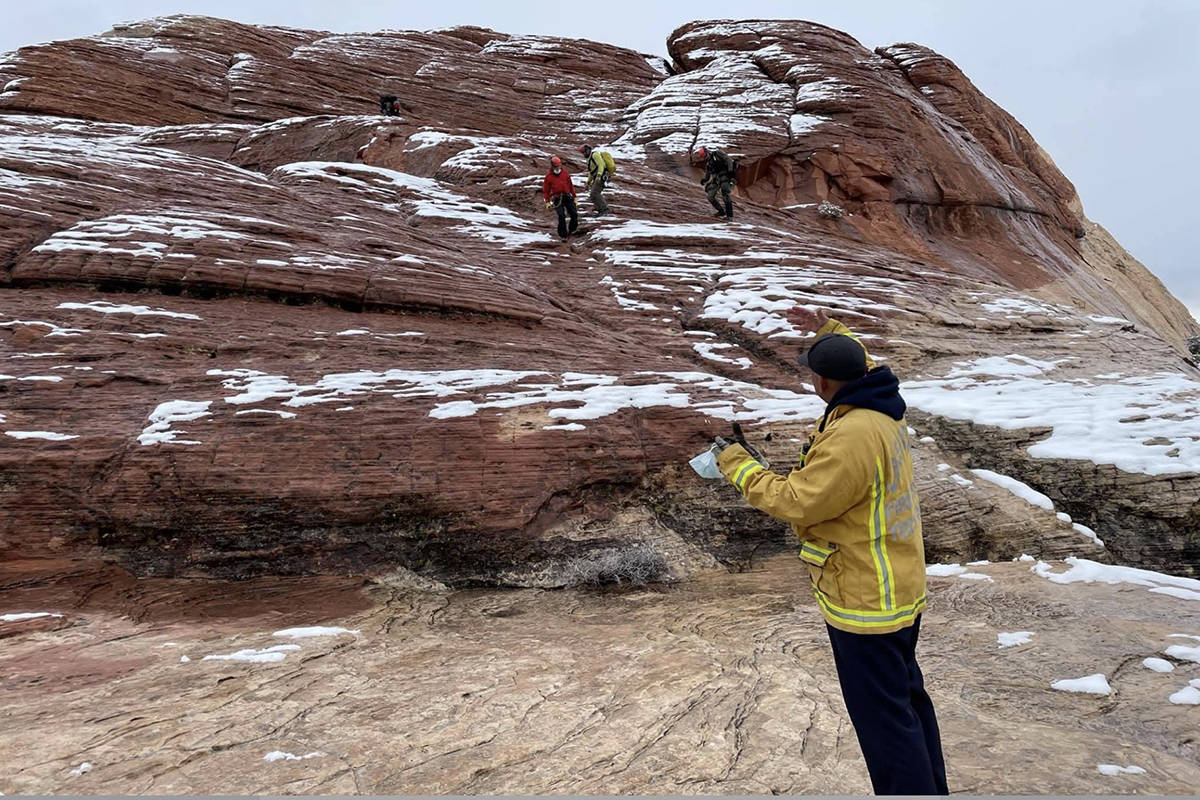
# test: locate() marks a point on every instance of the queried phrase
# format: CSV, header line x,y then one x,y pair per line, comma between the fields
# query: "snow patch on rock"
x,y
1088,684
167,414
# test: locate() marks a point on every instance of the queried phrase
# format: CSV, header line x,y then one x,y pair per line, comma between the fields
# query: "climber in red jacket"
x,y
560,193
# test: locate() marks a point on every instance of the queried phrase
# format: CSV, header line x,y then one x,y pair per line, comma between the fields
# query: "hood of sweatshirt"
x,y
878,390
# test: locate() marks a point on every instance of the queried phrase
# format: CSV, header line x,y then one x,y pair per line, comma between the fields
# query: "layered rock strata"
x,y
251,328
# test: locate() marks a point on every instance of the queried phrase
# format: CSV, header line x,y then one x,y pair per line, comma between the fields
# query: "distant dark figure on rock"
x,y
389,105
853,505
601,168
720,174
560,195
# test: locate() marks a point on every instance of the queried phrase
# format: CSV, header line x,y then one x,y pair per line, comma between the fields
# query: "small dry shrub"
x,y
636,565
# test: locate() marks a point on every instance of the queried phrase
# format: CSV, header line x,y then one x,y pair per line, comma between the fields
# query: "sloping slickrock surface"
x,y
723,685
250,328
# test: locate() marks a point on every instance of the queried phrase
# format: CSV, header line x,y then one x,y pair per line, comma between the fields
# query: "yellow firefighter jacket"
x,y
852,504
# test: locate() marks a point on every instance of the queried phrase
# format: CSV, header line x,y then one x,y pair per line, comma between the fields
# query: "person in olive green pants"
x,y
601,168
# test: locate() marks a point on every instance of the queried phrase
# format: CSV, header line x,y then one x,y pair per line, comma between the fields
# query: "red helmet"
x,y
585,149
701,153
555,161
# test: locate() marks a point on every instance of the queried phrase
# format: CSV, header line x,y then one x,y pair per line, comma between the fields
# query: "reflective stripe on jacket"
x,y
853,505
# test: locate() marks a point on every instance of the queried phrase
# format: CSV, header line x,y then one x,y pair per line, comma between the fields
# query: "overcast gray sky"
x,y
1107,88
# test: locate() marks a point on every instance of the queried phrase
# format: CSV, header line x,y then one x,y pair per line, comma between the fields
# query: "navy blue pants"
x,y
892,714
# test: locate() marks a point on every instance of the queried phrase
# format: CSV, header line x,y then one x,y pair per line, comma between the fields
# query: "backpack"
x,y
733,167
729,174
601,165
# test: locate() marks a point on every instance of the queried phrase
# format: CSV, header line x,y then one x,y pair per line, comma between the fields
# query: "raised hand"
x,y
807,318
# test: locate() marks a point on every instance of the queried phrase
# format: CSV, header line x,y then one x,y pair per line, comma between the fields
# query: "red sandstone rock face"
x,y
249,327
900,136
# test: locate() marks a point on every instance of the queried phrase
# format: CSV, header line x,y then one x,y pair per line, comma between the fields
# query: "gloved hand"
x,y
721,442
549,204
753,451
740,438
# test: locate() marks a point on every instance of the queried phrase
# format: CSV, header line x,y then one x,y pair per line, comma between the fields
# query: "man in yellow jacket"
x,y
601,168
852,504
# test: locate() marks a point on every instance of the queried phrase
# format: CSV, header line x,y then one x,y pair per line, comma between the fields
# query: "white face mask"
x,y
705,464
557,170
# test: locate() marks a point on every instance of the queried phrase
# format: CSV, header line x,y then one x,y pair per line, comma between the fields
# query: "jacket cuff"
x,y
729,458
737,466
